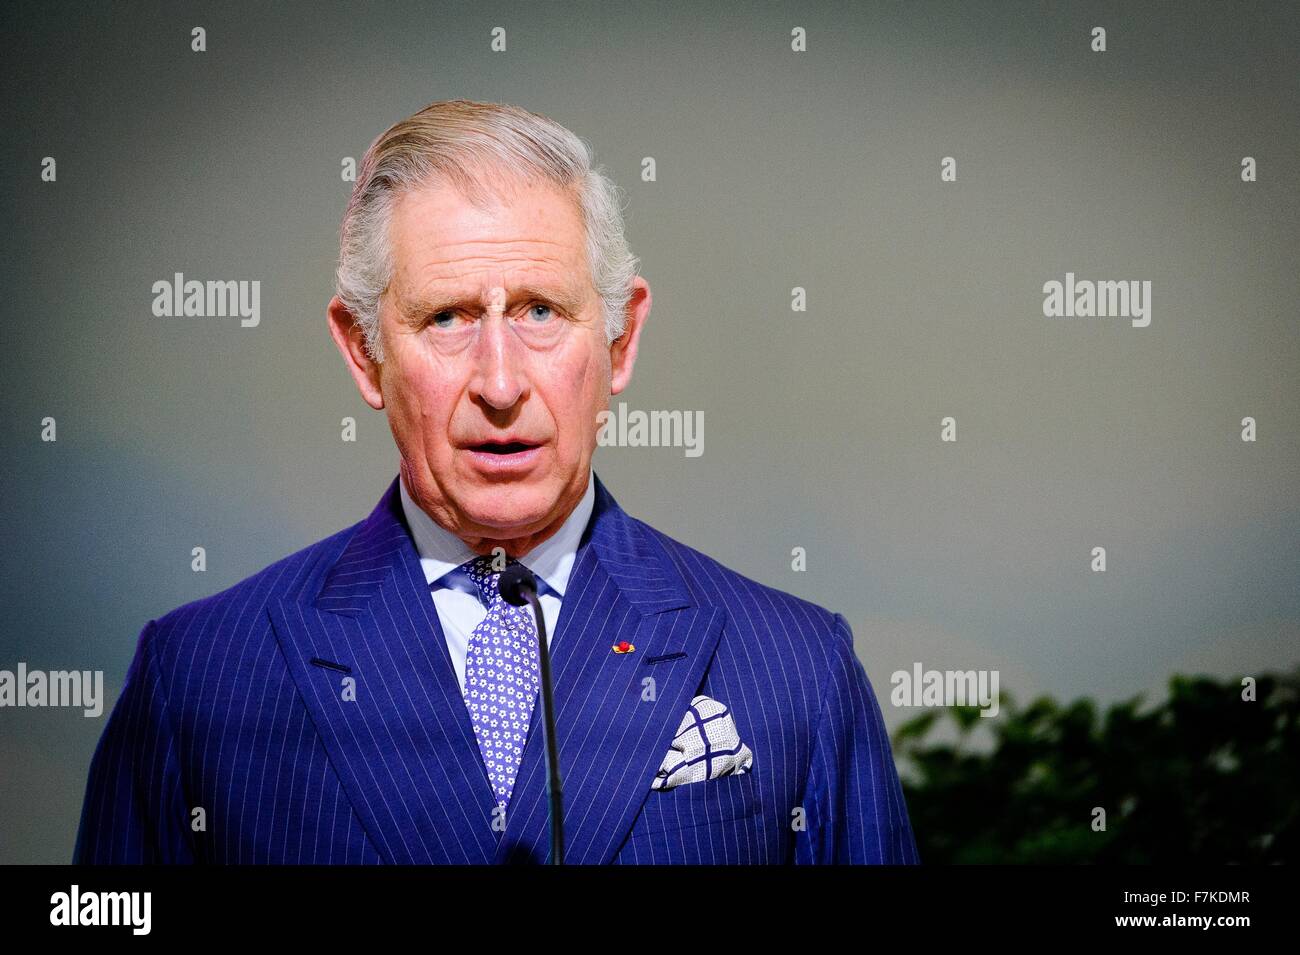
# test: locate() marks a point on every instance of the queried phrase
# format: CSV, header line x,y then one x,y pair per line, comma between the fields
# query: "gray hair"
x,y
479,148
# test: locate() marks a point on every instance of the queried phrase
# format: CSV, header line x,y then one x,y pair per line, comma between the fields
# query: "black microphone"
x,y
517,587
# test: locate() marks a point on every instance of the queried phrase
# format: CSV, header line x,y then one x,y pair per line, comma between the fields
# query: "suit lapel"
x,y
404,748
616,713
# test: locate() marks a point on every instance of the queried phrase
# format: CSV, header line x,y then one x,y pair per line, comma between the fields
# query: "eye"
x,y
442,319
546,309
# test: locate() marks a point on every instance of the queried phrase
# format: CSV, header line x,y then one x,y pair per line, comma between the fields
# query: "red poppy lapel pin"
x,y
622,647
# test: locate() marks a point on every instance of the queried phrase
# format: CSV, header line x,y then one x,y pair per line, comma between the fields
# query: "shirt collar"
x,y
551,561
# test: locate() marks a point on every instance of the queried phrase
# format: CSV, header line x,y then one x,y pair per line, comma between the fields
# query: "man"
x,y
373,699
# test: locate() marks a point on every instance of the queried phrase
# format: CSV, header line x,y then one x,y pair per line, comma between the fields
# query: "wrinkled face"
x,y
495,359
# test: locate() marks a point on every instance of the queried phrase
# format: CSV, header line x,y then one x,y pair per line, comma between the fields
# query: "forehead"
x,y
531,236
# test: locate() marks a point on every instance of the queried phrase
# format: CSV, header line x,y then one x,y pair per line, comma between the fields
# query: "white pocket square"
x,y
706,746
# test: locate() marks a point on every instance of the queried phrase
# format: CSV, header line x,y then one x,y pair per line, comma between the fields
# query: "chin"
x,y
510,509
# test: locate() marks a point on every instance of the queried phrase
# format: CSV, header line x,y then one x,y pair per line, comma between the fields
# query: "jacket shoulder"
x,y
712,582
243,604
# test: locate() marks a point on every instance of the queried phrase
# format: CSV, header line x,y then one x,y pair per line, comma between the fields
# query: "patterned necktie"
x,y
502,677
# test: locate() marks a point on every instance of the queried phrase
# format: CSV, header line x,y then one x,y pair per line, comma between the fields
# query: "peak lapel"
x,y
404,748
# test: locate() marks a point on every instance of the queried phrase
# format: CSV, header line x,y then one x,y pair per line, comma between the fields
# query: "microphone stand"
x,y
518,585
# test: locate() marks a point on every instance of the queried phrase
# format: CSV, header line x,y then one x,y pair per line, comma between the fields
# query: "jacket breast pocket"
x,y
703,803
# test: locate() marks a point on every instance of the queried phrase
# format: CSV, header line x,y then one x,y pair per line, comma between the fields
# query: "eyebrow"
x,y
568,297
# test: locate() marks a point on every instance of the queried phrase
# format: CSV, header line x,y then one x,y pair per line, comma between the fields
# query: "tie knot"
x,y
485,571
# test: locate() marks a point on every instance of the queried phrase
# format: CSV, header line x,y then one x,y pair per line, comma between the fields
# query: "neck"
x,y
514,545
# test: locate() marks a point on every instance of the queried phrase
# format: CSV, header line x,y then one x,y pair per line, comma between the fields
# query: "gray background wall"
x,y
775,170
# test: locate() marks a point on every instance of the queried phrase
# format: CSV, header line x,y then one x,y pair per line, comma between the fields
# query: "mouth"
x,y
504,459
502,447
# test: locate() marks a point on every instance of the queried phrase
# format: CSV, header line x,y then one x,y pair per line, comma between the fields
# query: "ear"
x,y
350,339
622,350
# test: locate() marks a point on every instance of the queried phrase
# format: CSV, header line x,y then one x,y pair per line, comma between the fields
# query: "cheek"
x,y
421,401
579,389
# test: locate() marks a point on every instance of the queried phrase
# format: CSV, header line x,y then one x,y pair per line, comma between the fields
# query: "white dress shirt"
x,y
454,595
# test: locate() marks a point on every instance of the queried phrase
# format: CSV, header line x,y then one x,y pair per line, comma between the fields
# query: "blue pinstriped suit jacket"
x,y
234,704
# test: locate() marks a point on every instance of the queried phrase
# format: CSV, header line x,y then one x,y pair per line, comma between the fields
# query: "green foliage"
x,y
1204,777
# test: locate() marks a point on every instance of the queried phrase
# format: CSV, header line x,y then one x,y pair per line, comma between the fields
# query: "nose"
x,y
499,378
